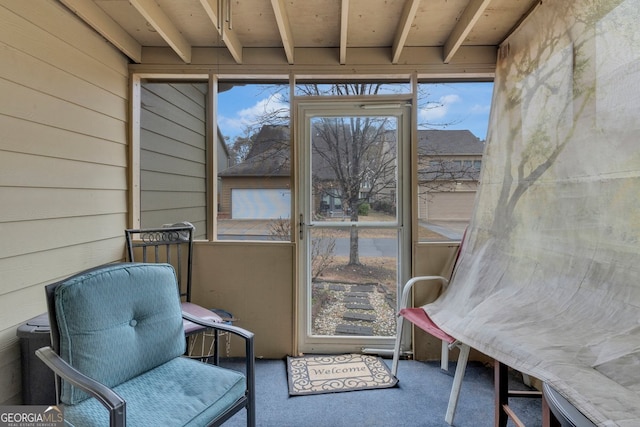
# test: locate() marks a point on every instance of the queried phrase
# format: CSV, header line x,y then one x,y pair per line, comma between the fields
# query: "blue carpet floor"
x,y
419,400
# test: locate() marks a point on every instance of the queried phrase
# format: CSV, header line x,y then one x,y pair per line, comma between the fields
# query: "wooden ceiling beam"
x,y
229,38
284,27
472,63
163,25
211,8
232,42
408,14
344,27
93,15
465,24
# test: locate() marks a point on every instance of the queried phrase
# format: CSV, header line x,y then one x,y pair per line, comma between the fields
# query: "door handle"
x,y
302,225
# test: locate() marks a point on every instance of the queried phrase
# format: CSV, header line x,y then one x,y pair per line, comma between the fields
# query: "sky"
x,y
444,106
459,106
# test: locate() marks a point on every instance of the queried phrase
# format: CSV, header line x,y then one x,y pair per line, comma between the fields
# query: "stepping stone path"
x,y
344,329
357,298
350,315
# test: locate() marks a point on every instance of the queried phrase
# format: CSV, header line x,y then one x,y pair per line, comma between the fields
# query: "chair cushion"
x,y
117,322
421,319
180,392
198,311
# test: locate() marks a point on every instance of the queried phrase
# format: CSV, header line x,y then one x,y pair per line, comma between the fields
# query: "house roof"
x,y
268,156
446,144
449,143
269,153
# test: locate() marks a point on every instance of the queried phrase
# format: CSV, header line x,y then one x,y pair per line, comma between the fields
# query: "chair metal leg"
x,y
504,412
501,393
444,356
396,348
457,382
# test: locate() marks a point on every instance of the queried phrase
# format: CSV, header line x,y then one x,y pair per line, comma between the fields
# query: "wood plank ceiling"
x,y
339,27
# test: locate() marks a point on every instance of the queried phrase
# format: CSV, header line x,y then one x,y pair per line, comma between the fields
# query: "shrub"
x,y
280,229
384,206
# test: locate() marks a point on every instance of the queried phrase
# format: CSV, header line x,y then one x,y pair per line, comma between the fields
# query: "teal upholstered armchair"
x,y
117,341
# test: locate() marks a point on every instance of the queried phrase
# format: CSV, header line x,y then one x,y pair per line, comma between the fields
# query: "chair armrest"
x,y
107,397
218,325
406,291
249,356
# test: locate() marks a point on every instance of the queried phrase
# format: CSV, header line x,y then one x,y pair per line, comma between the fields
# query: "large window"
x,y
452,127
248,191
254,182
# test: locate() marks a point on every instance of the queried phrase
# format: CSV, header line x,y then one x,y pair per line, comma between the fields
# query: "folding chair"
x,y
418,317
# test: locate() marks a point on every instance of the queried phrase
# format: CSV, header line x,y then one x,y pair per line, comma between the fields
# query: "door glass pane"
x,y
353,269
353,299
354,169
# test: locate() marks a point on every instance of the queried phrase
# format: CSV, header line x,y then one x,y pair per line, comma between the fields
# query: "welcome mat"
x,y
319,374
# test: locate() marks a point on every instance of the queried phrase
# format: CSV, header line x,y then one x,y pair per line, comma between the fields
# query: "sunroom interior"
x,y
112,117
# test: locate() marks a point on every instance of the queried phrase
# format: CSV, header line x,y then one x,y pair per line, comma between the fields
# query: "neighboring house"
x,y
224,161
448,174
259,186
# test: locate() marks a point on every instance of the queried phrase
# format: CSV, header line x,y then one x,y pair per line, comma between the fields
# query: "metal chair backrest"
x,y
171,244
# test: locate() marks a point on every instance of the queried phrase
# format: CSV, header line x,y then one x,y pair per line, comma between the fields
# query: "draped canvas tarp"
x,y
549,277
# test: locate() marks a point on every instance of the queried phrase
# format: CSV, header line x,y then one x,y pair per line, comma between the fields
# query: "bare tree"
x,y
240,148
354,160
444,163
437,170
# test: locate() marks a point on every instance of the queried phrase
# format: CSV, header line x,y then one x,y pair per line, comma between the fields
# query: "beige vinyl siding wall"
x,y
223,161
173,181
451,201
450,206
63,161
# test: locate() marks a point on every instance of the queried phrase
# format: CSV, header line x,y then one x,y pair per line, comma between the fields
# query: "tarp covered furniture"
x,y
547,282
418,317
117,343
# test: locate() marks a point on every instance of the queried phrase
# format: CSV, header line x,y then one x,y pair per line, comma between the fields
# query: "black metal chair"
x,y
174,245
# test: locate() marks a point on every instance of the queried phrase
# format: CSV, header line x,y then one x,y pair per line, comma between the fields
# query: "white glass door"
x,y
352,223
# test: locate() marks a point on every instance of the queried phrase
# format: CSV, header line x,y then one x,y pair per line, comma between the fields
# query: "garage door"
x,y
247,203
451,206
